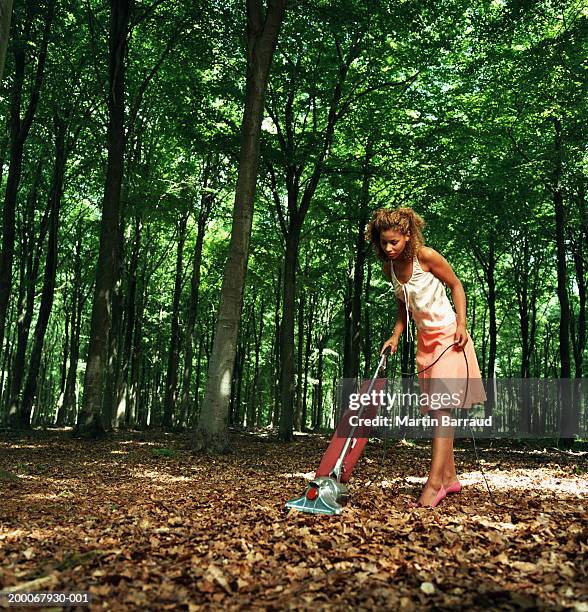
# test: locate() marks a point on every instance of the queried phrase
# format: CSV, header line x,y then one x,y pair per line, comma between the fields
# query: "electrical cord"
x,y
412,374
478,461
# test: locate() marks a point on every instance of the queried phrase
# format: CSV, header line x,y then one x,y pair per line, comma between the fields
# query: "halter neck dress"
x,y
425,299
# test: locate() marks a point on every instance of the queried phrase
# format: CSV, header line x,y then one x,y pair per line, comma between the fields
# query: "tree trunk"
x,y
30,260
274,415
67,310
299,355
562,291
360,255
526,273
19,131
171,379
262,35
48,290
7,365
579,338
193,414
491,282
113,374
129,327
206,203
135,400
285,433
5,18
569,417
68,407
90,423
319,397
307,359
488,264
367,330
257,337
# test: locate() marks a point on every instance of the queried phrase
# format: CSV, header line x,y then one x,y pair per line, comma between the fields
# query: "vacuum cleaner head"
x,y
324,495
327,494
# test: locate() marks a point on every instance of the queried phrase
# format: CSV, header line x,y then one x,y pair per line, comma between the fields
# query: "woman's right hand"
x,y
392,342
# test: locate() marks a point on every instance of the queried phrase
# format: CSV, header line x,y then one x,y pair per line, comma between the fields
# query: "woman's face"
x,y
393,243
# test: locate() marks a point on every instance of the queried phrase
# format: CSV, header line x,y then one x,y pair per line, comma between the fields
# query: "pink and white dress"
x,y
425,298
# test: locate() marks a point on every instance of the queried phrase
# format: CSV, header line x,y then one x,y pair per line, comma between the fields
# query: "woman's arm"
x,y
400,324
439,266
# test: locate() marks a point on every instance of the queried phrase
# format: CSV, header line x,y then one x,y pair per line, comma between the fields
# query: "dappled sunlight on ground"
x,y
159,476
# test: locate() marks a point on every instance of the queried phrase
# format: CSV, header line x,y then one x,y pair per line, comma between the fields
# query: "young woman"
x,y
419,275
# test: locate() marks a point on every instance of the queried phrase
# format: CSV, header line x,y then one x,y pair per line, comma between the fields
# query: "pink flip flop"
x,y
453,488
441,495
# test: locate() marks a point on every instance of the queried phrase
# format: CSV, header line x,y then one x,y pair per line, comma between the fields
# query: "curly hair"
x,y
403,220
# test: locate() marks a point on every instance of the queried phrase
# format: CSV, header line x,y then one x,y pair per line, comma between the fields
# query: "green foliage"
x,y
448,107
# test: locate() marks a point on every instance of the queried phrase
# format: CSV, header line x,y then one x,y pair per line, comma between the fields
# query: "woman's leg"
x,y
442,470
449,473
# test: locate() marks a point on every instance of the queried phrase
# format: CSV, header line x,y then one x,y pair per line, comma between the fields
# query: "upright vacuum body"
x,y
327,493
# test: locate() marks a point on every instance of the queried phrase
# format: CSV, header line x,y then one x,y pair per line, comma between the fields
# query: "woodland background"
x,y
151,154
121,144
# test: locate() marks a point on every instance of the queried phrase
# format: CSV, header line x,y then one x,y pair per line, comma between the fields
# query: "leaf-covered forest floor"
x,y
142,523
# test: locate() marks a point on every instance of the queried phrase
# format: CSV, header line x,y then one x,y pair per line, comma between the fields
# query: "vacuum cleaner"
x,y
327,492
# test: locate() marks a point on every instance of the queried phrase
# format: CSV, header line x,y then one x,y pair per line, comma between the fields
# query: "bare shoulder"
x,y
386,269
428,257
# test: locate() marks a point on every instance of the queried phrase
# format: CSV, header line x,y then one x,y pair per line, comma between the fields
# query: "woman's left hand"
x,y
461,337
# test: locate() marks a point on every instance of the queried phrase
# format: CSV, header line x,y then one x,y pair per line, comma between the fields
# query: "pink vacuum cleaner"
x,y
327,493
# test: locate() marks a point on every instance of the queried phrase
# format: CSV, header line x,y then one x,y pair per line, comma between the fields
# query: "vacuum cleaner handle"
x,y
336,472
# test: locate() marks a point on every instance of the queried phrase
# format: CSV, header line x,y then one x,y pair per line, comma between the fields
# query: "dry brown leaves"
x,y
142,530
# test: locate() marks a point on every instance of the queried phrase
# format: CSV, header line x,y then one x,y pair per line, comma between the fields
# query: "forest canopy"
x,y
120,152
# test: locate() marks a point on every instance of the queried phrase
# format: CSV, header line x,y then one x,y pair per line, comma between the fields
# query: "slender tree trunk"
x,y
193,414
299,355
129,326
491,281
287,336
569,416
275,413
262,35
488,264
349,381
307,351
292,227
319,398
90,422
30,261
171,379
67,310
562,291
367,330
356,303
235,417
579,338
69,405
133,412
240,377
7,363
257,340
523,300
113,373
360,255
206,203
347,321
484,341
48,290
